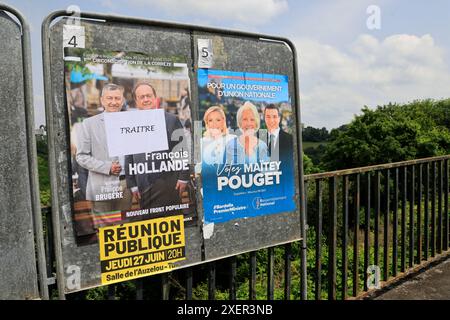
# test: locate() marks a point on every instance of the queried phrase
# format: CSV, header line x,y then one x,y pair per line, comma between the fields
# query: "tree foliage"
x,y
315,134
308,165
391,133
315,154
44,177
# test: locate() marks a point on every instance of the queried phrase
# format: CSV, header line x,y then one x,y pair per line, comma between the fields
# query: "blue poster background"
x,y
273,190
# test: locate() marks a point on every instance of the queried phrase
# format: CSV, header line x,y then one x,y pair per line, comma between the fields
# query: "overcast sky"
x,y
347,57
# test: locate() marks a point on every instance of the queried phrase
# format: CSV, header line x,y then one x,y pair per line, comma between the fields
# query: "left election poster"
x,y
130,133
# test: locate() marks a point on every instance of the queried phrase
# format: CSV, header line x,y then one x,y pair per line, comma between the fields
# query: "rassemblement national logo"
x,y
256,202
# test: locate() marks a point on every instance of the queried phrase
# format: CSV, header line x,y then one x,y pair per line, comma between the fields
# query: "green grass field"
x,y
308,144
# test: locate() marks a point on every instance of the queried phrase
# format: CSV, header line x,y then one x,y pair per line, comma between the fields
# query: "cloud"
x,y
108,4
336,83
333,22
249,12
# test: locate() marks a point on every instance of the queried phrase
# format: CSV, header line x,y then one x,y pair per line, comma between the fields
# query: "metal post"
x,y
233,266
270,276
287,271
318,283
51,154
367,234
355,238
332,239
395,226
31,150
386,230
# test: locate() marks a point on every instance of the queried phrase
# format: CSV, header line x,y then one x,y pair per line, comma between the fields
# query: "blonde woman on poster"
x,y
216,136
247,148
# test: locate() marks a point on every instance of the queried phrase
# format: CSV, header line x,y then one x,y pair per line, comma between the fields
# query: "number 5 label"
x,y
205,53
73,36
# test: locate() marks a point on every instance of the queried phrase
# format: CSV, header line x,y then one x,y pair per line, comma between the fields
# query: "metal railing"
x,y
391,218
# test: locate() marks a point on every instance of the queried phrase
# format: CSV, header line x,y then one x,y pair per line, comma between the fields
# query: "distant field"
x,y
308,144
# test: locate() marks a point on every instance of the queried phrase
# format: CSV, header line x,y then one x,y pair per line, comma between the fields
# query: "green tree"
x,y
391,133
315,153
308,165
44,177
315,134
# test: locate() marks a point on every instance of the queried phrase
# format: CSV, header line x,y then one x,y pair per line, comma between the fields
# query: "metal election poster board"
x,y
172,145
21,242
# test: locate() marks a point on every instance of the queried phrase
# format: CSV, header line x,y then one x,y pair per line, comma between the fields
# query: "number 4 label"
x,y
73,36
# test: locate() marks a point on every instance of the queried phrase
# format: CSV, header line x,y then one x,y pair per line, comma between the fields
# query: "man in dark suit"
x,y
156,189
280,143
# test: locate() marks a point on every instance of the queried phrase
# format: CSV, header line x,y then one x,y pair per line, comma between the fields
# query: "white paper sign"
x,y
73,36
205,53
133,132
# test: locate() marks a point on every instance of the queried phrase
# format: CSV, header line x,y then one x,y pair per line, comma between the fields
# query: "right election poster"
x,y
247,152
